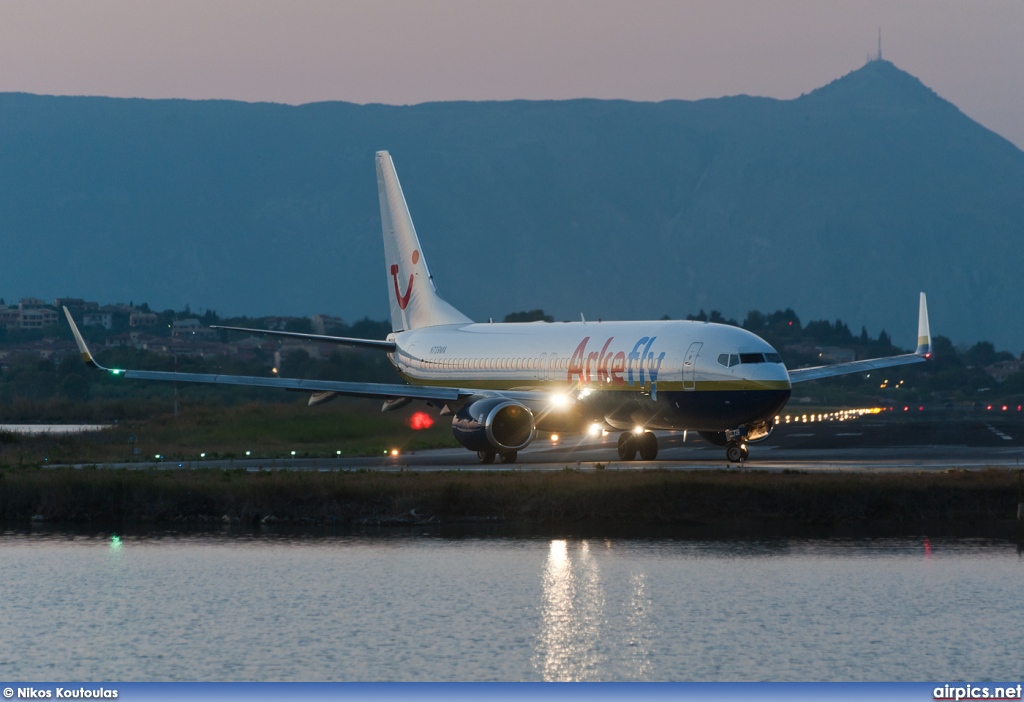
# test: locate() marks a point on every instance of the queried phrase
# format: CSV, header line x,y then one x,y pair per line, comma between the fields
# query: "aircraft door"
x,y
690,366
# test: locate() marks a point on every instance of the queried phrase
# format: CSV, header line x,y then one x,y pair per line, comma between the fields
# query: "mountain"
x,y
844,202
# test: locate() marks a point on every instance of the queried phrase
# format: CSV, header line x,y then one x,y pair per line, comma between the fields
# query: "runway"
x,y
869,444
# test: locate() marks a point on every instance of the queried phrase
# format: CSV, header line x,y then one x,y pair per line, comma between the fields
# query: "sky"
x,y
405,52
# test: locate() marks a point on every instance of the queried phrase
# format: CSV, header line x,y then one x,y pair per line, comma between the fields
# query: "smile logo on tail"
x,y
403,300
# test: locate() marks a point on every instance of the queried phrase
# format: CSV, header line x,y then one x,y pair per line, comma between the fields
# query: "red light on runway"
x,y
989,407
1004,408
906,409
421,420
921,408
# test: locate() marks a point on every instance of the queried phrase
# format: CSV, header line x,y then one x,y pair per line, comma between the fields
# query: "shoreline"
x,y
979,502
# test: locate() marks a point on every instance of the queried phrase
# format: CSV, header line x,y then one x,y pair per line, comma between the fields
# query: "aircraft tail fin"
x,y
924,334
414,299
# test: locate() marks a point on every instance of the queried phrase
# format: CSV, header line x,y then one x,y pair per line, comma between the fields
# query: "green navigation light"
x,y
115,542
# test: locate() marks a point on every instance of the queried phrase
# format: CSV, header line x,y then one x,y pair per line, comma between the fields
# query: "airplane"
x,y
504,383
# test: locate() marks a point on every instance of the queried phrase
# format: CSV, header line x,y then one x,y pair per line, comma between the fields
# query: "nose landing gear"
x,y
736,452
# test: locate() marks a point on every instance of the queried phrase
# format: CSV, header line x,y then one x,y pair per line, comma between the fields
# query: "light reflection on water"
x,y
428,608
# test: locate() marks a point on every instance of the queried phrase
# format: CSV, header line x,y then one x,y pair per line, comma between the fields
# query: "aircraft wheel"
x,y
508,456
648,445
734,453
627,447
485,457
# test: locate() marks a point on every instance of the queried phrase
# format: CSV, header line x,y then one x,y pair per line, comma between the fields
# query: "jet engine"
x,y
494,424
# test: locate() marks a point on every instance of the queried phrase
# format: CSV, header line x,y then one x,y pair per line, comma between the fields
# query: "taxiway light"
x,y
273,370
248,453
293,453
394,452
158,456
338,452
203,454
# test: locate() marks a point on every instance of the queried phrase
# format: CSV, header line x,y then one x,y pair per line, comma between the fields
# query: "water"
x,y
37,429
429,608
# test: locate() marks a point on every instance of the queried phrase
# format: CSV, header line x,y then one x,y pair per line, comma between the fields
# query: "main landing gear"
x,y
646,444
487,457
736,452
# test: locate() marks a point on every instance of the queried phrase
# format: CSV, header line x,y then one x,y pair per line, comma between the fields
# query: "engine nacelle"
x,y
494,424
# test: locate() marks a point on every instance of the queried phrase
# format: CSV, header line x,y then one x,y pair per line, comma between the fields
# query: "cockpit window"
x,y
729,359
732,359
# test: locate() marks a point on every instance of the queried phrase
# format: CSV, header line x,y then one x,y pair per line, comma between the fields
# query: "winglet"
x,y
924,334
87,358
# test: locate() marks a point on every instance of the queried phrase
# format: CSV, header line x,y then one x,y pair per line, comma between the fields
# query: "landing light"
x,y
394,452
594,429
559,400
638,430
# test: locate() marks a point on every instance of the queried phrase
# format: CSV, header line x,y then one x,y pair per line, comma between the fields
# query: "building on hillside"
x,y
142,319
323,322
186,329
38,317
76,306
1004,369
98,319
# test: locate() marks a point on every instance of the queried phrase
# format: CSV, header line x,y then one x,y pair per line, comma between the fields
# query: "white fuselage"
x,y
662,374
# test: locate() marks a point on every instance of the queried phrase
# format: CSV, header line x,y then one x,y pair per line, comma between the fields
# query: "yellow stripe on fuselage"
x,y
735,385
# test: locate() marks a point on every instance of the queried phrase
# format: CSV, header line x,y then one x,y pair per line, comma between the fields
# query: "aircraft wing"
x,y
381,390
923,353
341,340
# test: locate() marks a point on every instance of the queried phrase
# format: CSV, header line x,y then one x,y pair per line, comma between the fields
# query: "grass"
x,y
638,498
354,427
